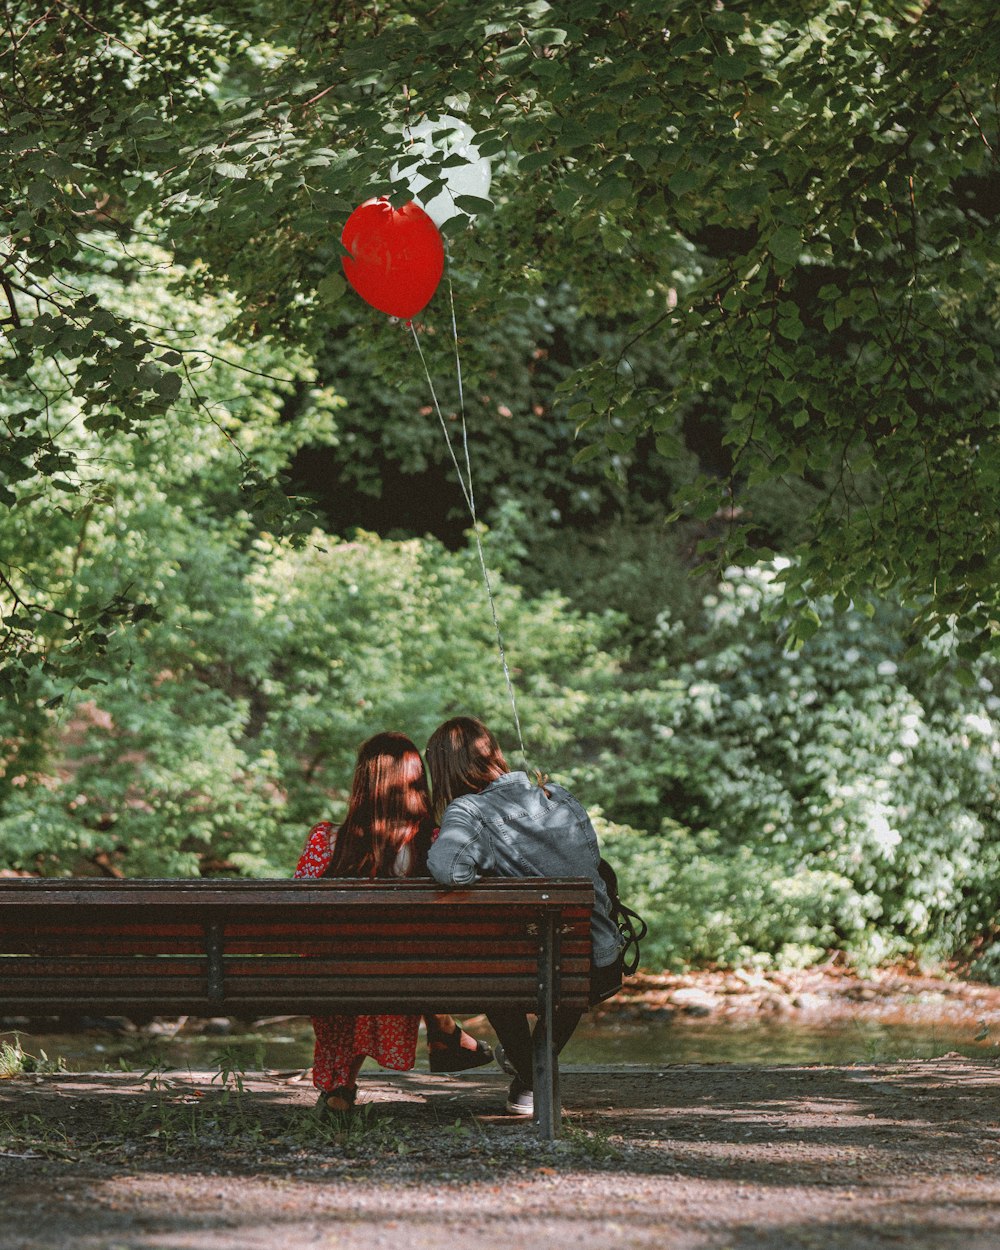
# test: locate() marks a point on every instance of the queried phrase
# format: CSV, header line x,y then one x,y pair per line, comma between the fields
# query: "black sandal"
x,y
346,1093
447,1054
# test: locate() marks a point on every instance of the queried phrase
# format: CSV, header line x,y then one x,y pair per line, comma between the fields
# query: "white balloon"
x,y
434,141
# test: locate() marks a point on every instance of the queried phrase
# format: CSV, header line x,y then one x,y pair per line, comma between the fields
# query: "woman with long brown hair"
x,y
386,833
497,823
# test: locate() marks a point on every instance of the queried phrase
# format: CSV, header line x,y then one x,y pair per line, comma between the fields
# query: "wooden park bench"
x,y
258,948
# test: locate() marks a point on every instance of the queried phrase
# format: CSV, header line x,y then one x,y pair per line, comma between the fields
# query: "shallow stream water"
x,y
286,1044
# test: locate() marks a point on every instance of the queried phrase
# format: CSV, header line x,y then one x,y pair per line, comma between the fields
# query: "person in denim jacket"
x,y
497,823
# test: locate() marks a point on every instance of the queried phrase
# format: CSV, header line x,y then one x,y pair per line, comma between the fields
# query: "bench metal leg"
x,y
546,1061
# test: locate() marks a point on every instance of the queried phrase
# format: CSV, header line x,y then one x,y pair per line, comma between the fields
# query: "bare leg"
x,y
441,1027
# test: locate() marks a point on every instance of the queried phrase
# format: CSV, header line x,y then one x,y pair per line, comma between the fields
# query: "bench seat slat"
x,y
145,1006
49,950
485,926
267,925
17,926
487,987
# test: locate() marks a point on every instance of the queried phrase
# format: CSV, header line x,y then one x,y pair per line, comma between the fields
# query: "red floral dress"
x,y
390,1040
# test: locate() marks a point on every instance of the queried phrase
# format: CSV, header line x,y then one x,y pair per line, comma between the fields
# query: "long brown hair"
x,y
389,809
463,757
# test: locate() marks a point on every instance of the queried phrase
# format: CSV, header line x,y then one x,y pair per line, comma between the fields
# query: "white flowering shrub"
x,y
841,796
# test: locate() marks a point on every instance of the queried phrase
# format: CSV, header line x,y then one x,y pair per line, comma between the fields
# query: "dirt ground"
x,y
712,1157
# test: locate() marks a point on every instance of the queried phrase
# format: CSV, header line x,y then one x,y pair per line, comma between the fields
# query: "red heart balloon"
x,y
396,256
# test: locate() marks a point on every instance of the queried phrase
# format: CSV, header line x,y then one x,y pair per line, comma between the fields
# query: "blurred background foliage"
x,y
231,545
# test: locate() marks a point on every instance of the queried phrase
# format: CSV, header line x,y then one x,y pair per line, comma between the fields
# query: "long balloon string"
x,y
461,409
465,483
475,524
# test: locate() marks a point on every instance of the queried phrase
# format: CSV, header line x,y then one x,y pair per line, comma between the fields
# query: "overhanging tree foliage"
x,y
798,211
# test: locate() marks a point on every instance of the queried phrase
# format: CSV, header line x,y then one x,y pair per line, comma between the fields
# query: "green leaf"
x,y
455,225
58,168
731,68
473,204
531,161
684,181
549,37
331,288
723,19
590,452
785,245
168,386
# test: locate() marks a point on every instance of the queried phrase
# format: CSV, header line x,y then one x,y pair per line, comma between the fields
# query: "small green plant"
x,y
593,1143
232,1101
16,1061
13,1060
230,1072
155,1076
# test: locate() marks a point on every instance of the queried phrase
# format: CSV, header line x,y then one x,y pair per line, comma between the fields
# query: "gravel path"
x,y
710,1157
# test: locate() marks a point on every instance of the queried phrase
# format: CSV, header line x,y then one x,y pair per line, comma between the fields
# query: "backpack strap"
x,y
629,923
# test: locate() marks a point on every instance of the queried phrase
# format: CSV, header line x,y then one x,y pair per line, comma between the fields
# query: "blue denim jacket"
x,y
513,829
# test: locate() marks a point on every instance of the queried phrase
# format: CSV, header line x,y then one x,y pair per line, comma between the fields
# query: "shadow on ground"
x,y
694,1156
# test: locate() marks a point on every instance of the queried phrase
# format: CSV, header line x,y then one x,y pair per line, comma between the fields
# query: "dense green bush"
x,y
368,634
850,787
234,726
523,441
707,903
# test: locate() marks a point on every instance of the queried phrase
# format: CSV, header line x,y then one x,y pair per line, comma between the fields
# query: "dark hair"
x,y
463,757
389,809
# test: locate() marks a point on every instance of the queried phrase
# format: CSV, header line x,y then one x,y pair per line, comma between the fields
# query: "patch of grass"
x,y
231,1122
29,1136
366,1129
591,1143
228,1119
226,1123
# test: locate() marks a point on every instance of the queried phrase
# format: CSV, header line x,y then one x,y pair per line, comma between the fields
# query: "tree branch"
x,y
15,316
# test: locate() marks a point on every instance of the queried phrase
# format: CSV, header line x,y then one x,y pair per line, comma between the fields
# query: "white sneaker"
x,y
520,1099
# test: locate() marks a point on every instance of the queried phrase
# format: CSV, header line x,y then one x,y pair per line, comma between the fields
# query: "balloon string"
x,y
475,524
461,399
468,495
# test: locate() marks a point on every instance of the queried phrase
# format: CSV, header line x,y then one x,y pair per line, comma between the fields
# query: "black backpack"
x,y
630,924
